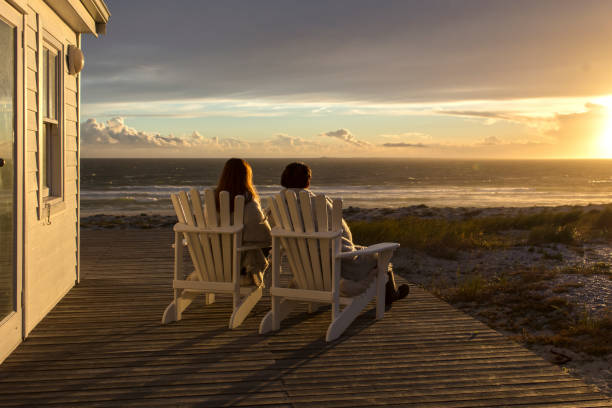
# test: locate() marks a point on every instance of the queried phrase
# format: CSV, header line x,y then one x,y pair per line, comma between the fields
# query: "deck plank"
x,y
103,345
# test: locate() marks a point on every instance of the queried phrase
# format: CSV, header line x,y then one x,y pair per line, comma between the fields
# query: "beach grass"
x,y
515,303
526,303
443,237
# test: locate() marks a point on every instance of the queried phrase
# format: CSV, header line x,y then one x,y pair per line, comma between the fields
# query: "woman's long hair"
x,y
237,179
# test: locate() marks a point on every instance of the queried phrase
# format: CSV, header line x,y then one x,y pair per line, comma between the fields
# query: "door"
x,y
11,169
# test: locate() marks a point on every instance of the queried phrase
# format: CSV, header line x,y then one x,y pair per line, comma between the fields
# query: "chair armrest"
x,y
221,230
250,247
372,249
184,243
277,232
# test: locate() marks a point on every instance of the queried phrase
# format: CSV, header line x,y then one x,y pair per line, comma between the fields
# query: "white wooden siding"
x,y
51,242
32,96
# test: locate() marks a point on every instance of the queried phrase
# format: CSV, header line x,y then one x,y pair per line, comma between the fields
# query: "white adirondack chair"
x,y
215,244
313,252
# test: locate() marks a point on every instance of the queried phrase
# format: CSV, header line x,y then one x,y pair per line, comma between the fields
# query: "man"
x,y
355,271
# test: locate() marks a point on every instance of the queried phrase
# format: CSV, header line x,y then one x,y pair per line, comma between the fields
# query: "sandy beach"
x,y
574,278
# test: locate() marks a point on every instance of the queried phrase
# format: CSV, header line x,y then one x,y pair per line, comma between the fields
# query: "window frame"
x,y
51,196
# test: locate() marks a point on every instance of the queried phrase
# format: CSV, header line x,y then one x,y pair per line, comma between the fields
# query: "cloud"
x,y
290,144
407,140
407,135
542,123
116,133
491,140
285,141
346,136
402,144
293,49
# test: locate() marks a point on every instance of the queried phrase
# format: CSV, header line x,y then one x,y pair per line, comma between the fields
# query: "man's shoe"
x,y
390,293
402,292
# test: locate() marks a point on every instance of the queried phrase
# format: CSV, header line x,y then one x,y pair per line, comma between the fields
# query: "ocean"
x,y
128,186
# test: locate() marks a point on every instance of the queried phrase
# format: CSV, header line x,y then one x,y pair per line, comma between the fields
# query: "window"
x,y
51,144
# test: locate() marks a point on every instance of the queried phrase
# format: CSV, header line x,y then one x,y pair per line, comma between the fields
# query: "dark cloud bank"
x,y
390,51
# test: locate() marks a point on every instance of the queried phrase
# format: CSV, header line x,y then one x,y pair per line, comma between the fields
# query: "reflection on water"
x,y
120,185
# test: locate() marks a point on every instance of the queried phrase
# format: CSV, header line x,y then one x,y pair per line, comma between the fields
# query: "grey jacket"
x,y
256,232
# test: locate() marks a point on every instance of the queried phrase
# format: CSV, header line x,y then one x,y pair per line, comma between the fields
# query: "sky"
x,y
350,78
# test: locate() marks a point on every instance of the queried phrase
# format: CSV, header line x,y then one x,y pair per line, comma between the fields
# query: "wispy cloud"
x,y
402,144
407,136
542,123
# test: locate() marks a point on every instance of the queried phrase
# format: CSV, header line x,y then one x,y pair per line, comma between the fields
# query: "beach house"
x,y
40,89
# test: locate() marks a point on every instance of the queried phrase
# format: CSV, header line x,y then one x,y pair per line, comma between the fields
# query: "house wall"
x,y
51,237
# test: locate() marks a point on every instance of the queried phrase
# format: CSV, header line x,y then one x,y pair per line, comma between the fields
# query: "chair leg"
x,y
244,308
381,281
313,307
282,310
350,313
175,309
210,298
169,315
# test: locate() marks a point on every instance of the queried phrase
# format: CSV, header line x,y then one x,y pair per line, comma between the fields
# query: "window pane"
x,y
45,84
7,192
45,155
52,85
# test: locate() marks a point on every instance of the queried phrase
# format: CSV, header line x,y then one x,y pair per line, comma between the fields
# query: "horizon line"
x,y
352,158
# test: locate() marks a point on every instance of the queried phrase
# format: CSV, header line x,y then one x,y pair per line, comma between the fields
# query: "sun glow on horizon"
x,y
606,137
605,140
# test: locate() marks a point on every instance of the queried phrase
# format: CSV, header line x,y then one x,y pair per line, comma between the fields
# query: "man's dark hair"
x,y
296,175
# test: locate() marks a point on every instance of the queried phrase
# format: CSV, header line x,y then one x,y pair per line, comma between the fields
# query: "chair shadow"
x,y
228,396
241,390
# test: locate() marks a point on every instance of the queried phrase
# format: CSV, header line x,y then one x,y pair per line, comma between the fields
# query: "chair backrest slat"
x,y
178,208
336,214
310,258
198,210
313,247
277,219
291,248
296,220
324,244
226,240
212,252
238,210
187,212
275,212
321,213
193,241
210,210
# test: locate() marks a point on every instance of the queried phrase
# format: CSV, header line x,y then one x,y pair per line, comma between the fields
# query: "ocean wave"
x,y
158,199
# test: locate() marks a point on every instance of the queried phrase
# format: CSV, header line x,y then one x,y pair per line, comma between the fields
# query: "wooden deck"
x,y
103,345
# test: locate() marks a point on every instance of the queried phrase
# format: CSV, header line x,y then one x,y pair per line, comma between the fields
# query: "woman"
x,y
237,179
357,272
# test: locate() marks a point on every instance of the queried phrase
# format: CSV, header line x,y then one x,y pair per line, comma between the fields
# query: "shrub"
x,y
545,234
603,220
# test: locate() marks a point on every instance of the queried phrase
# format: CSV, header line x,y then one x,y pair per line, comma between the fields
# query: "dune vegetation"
x,y
526,303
